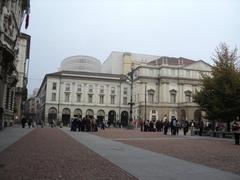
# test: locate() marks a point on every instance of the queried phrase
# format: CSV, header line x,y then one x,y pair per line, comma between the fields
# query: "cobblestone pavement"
x,y
214,152
49,153
11,134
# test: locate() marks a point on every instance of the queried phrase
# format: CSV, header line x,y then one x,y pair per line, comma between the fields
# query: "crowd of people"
x,y
88,124
29,122
173,124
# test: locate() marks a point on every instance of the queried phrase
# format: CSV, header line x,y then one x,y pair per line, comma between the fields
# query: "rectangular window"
x,y
125,100
90,98
173,98
151,98
101,99
188,98
67,87
187,73
54,86
125,91
79,97
101,89
112,90
173,72
67,97
53,96
79,88
112,99
90,88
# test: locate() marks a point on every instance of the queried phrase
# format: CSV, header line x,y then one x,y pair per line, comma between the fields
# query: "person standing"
x,y
141,124
166,125
29,122
185,127
201,126
192,128
103,124
158,125
235,129
173,125
23,121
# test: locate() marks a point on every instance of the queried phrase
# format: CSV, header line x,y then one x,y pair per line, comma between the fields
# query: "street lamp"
x,y
145,99
129,78
145,105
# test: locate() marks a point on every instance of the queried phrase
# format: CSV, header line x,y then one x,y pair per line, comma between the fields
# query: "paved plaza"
x,y
213,152
54,153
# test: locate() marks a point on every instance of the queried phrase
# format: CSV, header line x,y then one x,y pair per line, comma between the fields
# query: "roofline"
x,y
41,85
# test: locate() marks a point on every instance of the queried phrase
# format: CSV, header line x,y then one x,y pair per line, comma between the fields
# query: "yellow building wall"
x,y
127,63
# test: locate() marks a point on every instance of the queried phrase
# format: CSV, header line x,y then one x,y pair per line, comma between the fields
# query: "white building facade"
x,y
66,94
22,63
161,86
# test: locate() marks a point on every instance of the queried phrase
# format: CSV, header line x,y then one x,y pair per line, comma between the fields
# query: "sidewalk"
x,y
145,164
11,134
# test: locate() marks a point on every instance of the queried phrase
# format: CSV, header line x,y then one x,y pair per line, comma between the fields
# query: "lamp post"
x,y
131,98
145,99
145,105
129,78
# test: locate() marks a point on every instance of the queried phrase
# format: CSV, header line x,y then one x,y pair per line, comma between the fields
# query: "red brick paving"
x,y
49,153
217,153
115,133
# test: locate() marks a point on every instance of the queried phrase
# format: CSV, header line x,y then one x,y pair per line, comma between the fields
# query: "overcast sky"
x,y
178,28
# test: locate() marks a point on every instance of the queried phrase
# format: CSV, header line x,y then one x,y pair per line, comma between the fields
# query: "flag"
x,y
27,21
27,12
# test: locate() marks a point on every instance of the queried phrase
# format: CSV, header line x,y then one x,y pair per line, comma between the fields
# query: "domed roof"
x,y
81,63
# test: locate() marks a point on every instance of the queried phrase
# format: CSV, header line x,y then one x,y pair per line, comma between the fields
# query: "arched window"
x,y
77,113
89,112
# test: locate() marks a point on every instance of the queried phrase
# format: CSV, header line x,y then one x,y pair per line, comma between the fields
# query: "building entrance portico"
x,y
112,117
197,115
78,113
52,114
100,116
66,116
90,113
153,115
124,118
183,115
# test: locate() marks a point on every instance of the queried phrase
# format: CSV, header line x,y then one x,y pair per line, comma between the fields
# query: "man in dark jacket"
x,y
24,120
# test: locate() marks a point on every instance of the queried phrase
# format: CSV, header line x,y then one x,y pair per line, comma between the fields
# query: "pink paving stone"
x,y
49,153
213,152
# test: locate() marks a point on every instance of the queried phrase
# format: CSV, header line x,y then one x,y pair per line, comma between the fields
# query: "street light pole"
x,y
131,98
145,105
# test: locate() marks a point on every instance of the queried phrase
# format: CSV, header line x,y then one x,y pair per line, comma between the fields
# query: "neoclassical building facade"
x,y
160,86
12,14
